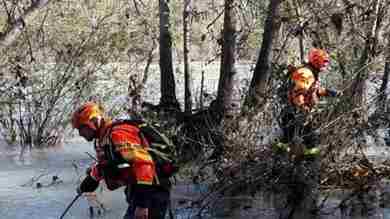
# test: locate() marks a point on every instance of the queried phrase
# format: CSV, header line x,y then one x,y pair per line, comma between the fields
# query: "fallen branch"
x,y
35,179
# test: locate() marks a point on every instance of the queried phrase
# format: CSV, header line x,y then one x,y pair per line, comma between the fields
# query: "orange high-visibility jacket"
x,y
306,89
125,139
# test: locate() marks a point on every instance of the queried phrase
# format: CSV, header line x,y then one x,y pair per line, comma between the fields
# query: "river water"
x,y
20,198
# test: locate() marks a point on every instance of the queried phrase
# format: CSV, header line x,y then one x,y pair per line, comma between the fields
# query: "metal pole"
x,y
70,205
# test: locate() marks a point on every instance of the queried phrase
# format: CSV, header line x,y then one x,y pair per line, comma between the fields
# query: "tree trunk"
x,y
227,79
187,72
168,87
359,84
301,36
258,87
382,100
17,24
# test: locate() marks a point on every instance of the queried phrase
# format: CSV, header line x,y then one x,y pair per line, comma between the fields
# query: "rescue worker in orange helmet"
x,y
307,89
122,160
303,95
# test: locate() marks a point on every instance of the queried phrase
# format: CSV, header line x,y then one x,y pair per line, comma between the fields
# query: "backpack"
x,y
161,149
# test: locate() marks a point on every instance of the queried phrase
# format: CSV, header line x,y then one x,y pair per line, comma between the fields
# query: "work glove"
x,y
334,93
89,184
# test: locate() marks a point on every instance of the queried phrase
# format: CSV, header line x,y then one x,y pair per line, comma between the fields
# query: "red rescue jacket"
x,y
125,141
306,90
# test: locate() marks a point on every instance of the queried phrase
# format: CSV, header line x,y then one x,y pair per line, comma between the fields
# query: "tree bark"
x,y
359,84
228,72
258,87
382,100
187,72
15,27
168,87
301,32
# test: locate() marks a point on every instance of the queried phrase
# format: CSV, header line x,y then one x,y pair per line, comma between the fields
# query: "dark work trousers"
x,y
294,124
303,184
159,203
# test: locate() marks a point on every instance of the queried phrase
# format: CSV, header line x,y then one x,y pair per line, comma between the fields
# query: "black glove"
x,y
89,184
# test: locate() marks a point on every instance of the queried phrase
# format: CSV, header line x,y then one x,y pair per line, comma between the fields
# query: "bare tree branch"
x,y
10,34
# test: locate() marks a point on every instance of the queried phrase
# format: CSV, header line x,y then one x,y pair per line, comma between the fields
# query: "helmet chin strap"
x,y
95,123
98,122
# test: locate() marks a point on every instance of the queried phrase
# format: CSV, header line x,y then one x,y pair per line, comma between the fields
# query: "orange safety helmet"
x,y
85,114
318,58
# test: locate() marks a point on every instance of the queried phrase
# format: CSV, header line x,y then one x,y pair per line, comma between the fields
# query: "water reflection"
x,y
20,202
